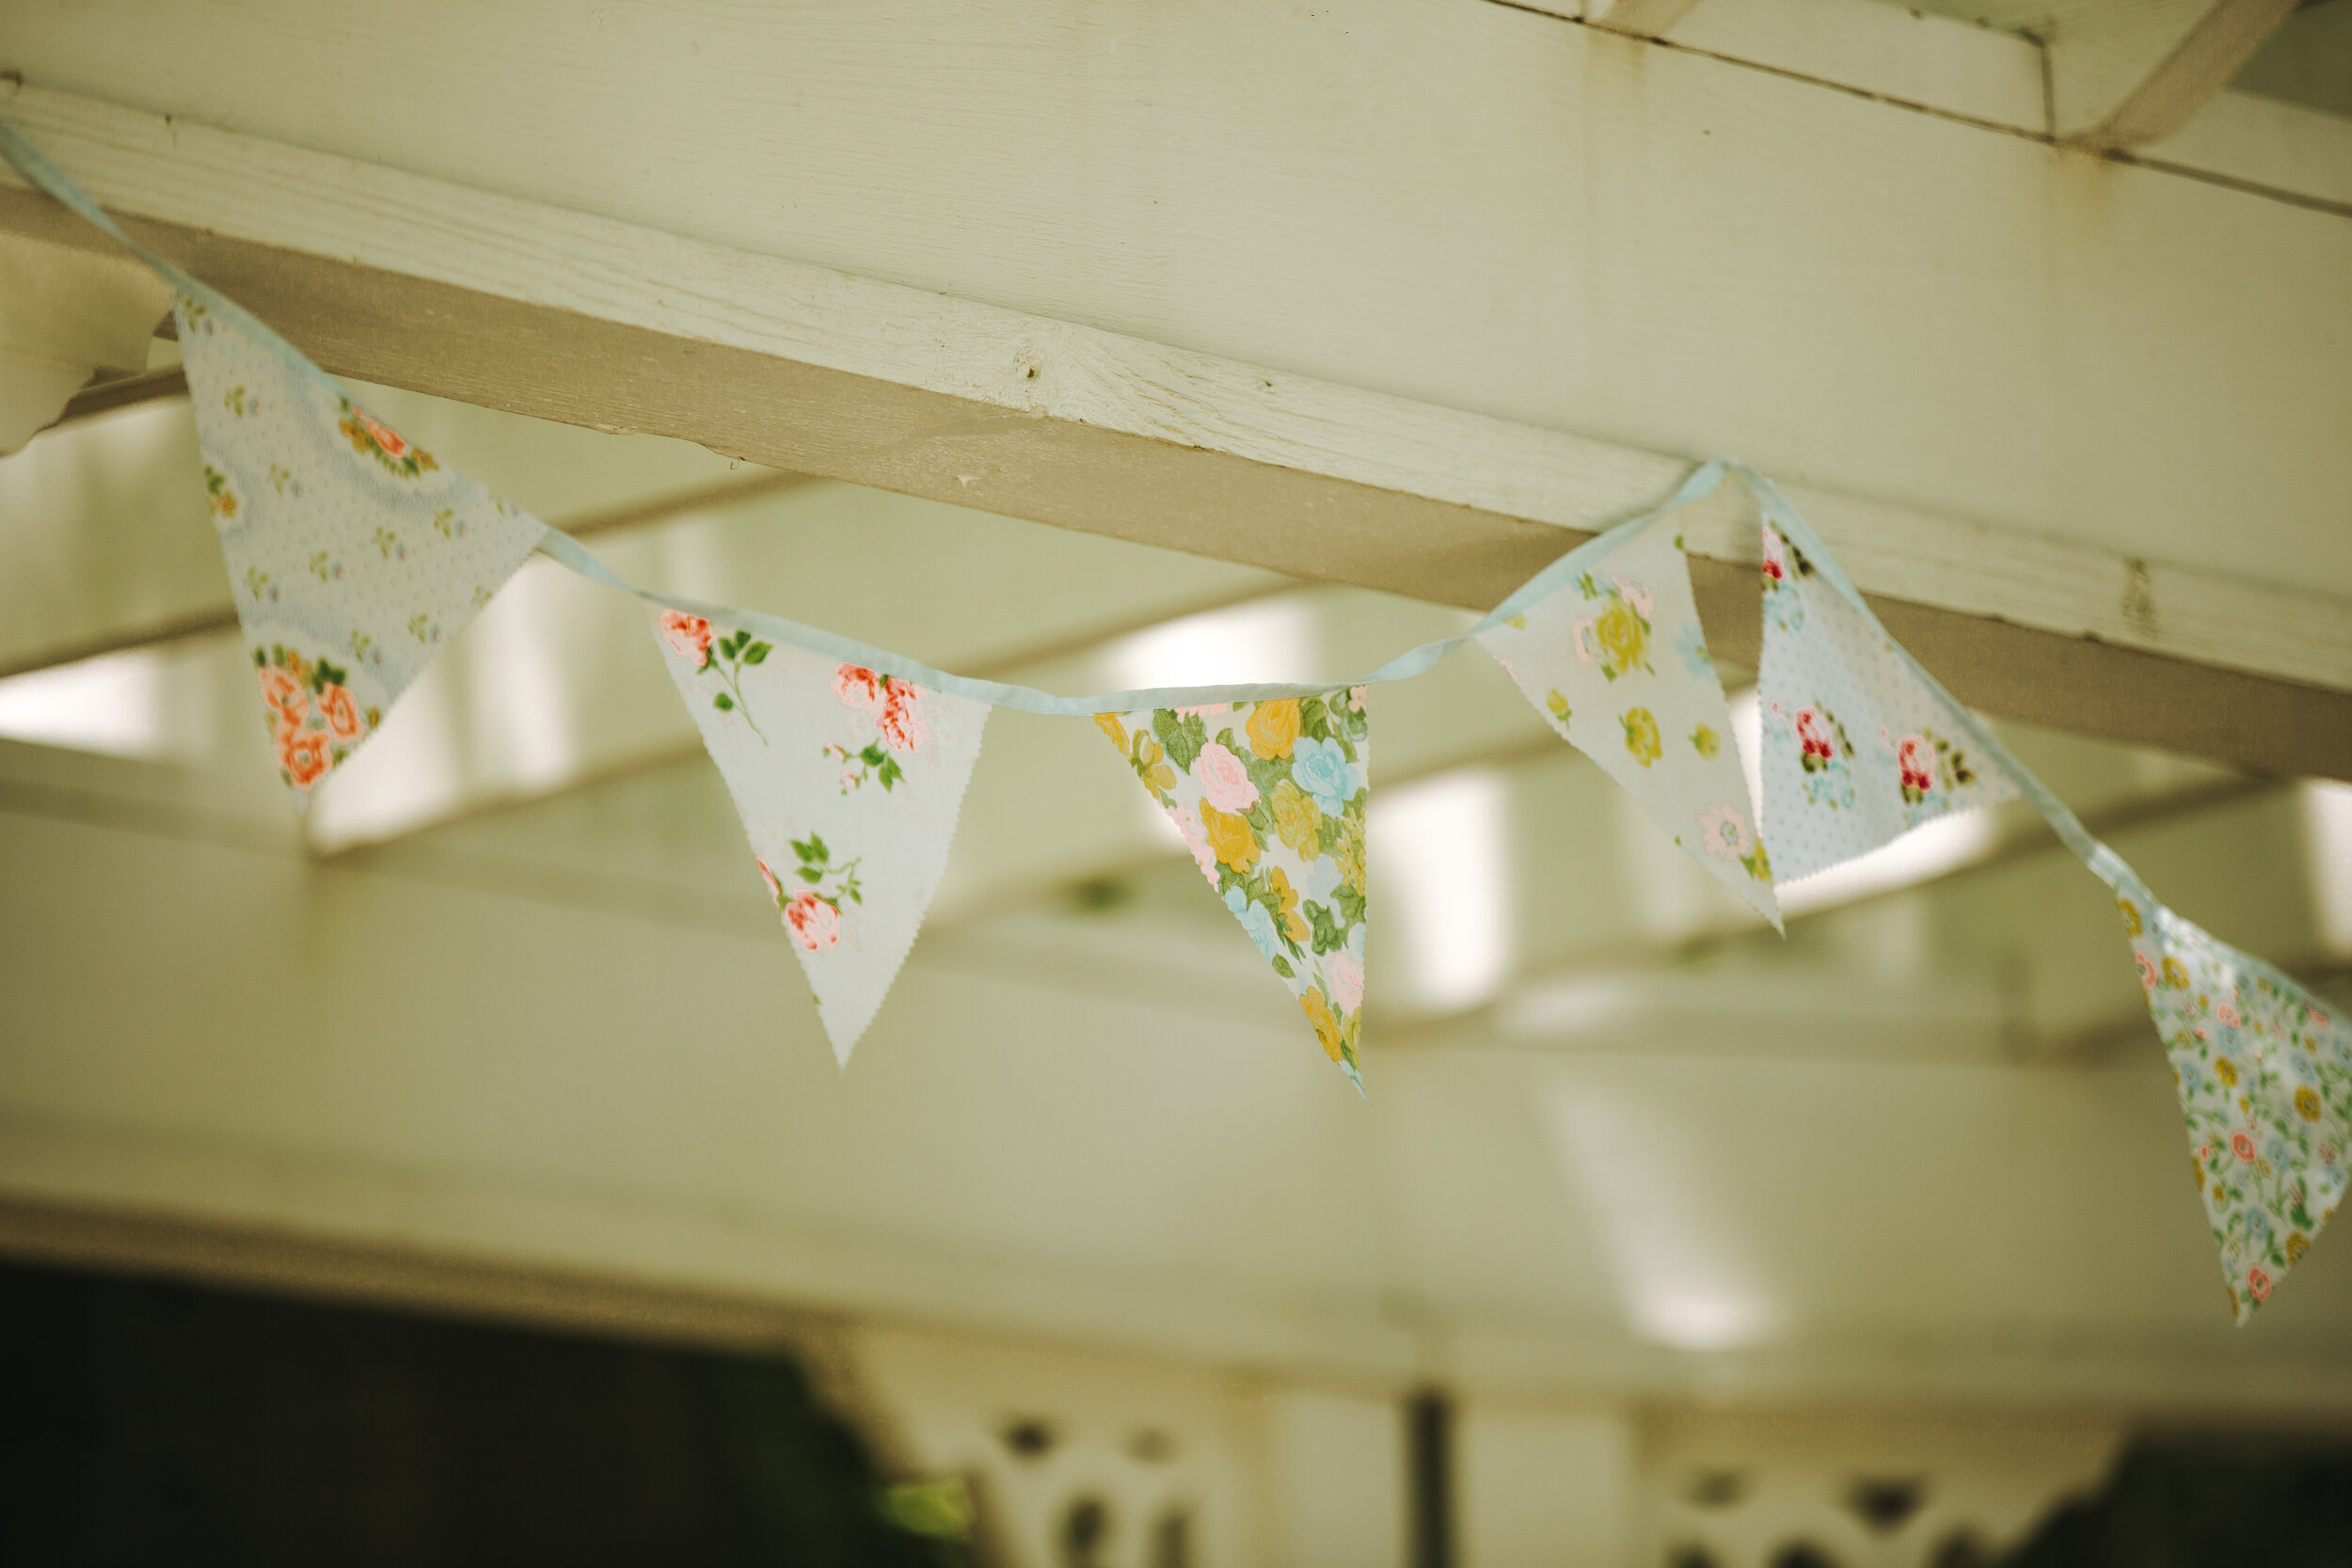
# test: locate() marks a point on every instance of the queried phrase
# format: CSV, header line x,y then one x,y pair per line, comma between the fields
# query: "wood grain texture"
x,y
1465,204
72,305
2264,142
485,298
65,313
1892,53
1641,18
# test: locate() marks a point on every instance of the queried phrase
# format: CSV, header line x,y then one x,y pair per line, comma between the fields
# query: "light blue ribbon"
x,y
32,163
1028,698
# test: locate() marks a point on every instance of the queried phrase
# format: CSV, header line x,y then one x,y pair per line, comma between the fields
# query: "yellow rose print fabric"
x,y
1270,797
1617,662
2264,1074
353,554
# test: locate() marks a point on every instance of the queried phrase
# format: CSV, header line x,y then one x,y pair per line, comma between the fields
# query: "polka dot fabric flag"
x,y
354,556
1857,751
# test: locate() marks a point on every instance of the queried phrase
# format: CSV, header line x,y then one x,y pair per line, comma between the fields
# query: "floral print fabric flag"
x,y
1270,796
2266,1080
353,555
1617,664
1857,751
848,784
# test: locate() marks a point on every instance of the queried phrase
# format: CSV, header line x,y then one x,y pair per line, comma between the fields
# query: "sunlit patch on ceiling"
x,y
1920,855
1669,1239
1441,849
160,704
2327,822
111,704
1265,640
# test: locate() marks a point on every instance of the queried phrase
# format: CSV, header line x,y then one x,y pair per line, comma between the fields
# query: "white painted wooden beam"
x,y
597,321
66,312
1641,18
105,542
2131,71
2265,143
1896,55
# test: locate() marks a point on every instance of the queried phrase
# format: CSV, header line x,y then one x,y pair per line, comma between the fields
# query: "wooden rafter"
x,y
805,368
2125,74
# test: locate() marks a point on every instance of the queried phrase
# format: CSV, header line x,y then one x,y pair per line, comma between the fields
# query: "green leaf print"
x,y
726,659
1314,719
1182,735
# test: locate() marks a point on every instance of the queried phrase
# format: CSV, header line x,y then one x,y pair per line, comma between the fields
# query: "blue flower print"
x,y
1254,920
1323,770
1691,642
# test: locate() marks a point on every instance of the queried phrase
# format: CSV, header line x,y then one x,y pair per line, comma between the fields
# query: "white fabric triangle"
x,y
353,555
848,784
1617,662
1857,751
1271,797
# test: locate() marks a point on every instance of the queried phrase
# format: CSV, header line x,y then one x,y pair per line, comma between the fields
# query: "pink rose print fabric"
x,y
353,554
849,784
2265,1073
1857,751
1617,662
1270,798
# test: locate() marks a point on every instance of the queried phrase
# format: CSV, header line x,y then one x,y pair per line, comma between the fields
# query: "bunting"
x,y
1270,798
353,555
1857,749
849,784
1617,665
2264,1075
2264,1071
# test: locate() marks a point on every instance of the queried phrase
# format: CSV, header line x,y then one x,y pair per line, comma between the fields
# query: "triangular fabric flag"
x,y
1617,662
2265,1080
352,556
849,784
1271,796
1857,750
